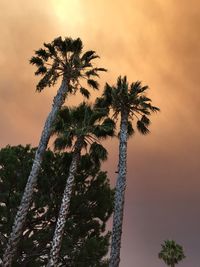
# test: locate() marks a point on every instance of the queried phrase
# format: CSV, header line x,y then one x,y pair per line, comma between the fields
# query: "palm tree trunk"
x,y
119,193
60,225
26,201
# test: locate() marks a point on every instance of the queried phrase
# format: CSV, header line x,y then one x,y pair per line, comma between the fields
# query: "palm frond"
x,y
154,109
108,94
43,54
36,61
63,121
101,69
142,128
89,55
136,88
143,98
51,48
107,128
57,42
77,46
63,142
85,92
131,130
100,102
50,77
91,72
68,44
98,152
145,120
41,70
92,83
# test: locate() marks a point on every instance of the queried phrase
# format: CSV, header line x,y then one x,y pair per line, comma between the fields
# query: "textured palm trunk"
x,y
119,193
60,225
26,201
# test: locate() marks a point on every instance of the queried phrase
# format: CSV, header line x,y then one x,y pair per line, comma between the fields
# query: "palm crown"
x,y
129,99
171,253
84,122
65,58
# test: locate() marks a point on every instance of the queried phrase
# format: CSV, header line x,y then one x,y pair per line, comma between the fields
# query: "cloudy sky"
x,y
154,41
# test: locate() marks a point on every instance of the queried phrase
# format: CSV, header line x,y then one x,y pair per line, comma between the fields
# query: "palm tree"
x,y
77,127
128,101
59,59
171,253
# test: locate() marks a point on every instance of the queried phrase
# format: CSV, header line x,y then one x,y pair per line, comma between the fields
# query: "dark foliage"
x,y
85,241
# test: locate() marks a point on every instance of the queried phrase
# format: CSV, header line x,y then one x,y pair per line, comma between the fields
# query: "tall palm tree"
x,y
62,58
130,102
171,253
77,127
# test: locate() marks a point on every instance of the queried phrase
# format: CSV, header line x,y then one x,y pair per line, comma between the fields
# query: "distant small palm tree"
x,y
129,102
171,253
76,128
59,59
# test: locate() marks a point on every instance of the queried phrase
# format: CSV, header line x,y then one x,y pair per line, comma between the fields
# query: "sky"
x,y
154,41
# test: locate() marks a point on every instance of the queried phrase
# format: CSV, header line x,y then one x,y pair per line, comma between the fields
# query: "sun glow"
x,y
68,11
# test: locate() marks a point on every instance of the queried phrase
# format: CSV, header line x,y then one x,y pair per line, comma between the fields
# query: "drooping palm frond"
x,y
131,130
92,83
98,152
142,128
63,142
107,128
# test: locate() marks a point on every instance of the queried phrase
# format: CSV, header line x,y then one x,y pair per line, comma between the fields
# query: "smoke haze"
x,y
153,41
